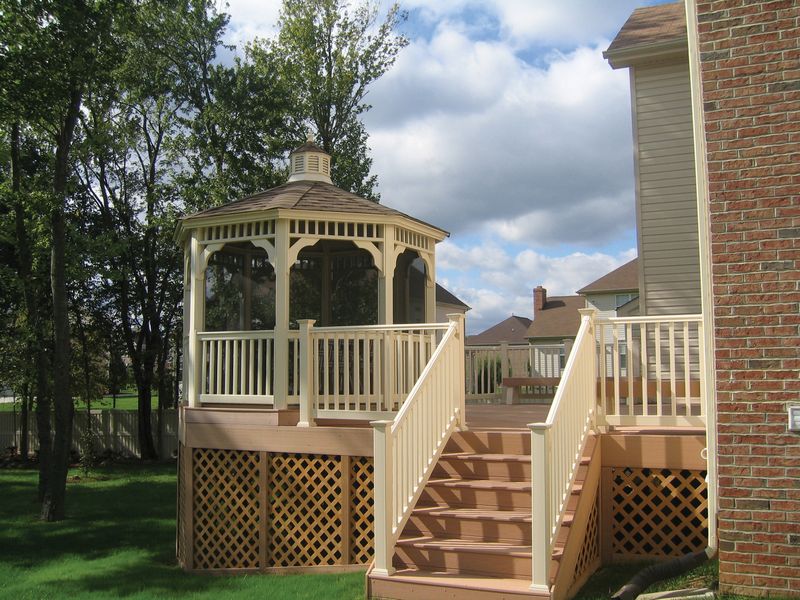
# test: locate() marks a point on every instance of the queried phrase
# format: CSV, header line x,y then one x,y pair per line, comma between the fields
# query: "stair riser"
x,y
401,590
474,498
460,468
468,529
490,442
490,565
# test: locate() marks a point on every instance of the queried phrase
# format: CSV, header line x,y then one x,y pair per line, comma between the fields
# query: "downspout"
x,y
701,180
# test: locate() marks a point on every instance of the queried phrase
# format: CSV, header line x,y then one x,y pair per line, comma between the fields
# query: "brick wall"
x,y
750,69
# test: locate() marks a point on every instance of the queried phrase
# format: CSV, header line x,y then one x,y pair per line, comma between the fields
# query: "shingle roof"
x,y
513,330
649,26
622,279
305,195
445,296
558,319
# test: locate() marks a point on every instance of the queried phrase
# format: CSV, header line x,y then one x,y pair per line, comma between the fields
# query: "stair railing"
x,y
407,447
557,447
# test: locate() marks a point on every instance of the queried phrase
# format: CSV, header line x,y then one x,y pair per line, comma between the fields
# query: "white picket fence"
x,y
115,430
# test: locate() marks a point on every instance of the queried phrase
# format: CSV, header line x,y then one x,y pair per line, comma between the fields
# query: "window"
x,y
621,299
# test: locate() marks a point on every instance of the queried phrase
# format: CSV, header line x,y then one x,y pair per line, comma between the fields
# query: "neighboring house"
x,y
512,331
716,107
614,290
555,324
448,303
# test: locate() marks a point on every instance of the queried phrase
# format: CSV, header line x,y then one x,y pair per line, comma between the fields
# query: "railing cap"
x,y
381,425
539,426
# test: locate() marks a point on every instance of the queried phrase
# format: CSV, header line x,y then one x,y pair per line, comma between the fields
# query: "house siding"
x,y
749,54
667,206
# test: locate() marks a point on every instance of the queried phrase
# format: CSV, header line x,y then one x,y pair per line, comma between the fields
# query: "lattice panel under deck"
x,y
180,533
362,529
590,551
658,512
305,510
227,509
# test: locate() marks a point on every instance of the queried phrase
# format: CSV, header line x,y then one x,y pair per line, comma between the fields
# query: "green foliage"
x,y
329,54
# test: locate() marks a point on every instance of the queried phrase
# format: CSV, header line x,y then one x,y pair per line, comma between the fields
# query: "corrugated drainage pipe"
x,y
648,576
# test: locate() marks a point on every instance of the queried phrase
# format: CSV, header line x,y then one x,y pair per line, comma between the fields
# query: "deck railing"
x,y
363,372
650,371
557,446
407,447
487,365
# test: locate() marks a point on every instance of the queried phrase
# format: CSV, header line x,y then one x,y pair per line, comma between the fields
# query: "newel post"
x,y
541,511
307,388
461,379
384,492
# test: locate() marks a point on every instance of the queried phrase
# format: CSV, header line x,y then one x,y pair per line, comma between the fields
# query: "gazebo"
x,y
264,272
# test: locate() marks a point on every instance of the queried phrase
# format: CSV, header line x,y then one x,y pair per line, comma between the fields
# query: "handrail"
x,y
395,327
557,445
407,448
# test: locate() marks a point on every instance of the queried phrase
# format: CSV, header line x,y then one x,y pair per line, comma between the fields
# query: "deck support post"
x,y
307,393
383,489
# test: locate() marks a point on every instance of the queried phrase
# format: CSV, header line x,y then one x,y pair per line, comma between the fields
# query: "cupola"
x,y
309,162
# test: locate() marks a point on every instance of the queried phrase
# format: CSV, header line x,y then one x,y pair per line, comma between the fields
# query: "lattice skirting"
x,y
657,512
589,557
257,510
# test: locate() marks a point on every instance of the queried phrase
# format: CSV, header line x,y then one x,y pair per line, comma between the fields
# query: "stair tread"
x,y
488,457
444,579
459,545
515,516
483,484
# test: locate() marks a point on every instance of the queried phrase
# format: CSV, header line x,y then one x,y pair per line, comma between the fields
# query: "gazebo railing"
x,y
238,367
357,372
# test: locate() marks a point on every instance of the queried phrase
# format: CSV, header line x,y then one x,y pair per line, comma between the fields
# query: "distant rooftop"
x,y
622,279
513,330
445,296
559,318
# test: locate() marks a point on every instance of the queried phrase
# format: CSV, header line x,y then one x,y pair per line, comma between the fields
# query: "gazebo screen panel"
x,y
240,291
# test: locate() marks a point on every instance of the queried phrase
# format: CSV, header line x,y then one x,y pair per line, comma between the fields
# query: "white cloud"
x,y
471,138
497,284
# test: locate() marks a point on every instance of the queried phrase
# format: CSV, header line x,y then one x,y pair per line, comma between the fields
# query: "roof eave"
x,y
199,220
630,56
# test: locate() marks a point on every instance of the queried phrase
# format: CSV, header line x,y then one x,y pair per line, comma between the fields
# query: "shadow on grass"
x,y
119,541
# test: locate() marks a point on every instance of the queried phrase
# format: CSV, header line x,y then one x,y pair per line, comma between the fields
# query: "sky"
x,y
502,124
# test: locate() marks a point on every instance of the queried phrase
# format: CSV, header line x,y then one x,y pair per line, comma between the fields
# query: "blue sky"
x,y
502,124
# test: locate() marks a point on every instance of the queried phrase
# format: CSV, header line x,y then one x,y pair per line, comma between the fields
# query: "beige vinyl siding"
x,y
666,201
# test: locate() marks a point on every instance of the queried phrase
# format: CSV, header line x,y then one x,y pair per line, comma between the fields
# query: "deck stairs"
x,y
469,536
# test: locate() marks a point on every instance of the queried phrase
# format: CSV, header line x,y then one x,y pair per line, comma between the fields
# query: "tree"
x,y
54,51
329,56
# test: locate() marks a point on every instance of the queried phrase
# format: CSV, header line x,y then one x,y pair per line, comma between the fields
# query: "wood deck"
x,y
504,416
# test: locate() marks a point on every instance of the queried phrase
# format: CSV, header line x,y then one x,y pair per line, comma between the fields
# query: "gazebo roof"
x,y
315,196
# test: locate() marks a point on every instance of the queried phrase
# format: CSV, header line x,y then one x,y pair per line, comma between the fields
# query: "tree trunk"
x,y
25,417
53,504
145,394
32,302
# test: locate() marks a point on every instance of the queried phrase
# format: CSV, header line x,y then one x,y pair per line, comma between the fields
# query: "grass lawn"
x,y
126,400
119,541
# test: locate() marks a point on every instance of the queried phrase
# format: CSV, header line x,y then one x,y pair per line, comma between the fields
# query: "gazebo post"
x,y
386,278
430,288
281,353
197,297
